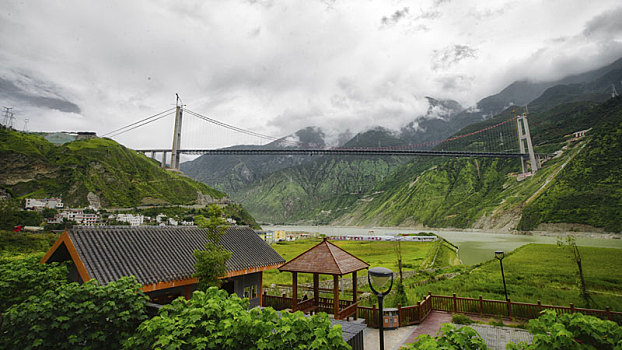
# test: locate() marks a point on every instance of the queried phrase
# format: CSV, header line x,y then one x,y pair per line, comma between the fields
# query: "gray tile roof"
x,y
161,253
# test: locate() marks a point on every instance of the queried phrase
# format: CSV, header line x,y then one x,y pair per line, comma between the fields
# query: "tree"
x,y
23,278
48,213
400,292
84,316
211,262
215,320
571,243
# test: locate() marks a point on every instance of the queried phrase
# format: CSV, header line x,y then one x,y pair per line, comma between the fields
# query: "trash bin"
x,y
390,318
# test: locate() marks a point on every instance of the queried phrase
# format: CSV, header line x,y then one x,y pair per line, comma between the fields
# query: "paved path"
x,y
393,339
430,325
497,338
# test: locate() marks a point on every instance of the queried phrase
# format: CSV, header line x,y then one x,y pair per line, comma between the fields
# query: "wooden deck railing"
x,y
415,314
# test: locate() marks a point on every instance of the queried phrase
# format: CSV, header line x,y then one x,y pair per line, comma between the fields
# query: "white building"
x,y
52,203
80,217
133,220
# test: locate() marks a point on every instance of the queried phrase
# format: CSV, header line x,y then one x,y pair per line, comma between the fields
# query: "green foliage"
x,y
460,319
21,278
400,294
11,215
449,338
119,176
214,320
73,316
17,243
211,262
240,215
571,331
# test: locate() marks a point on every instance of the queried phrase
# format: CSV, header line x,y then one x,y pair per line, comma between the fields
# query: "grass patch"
x,y
537,272
20,244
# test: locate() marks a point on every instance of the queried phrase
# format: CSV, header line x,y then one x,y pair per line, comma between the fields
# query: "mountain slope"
x,y
589,190
581,186
32,166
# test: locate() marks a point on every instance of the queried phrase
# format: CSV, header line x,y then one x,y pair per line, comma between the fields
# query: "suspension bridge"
x,y
507,139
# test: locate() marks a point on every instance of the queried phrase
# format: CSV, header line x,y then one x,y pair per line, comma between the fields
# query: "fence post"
x,y
571,308
418,311
608,313
481,306
509,308
539,307
373,315
399,315
455,303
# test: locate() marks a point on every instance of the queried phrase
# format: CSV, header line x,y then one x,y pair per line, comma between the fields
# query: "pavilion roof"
x,y
325,258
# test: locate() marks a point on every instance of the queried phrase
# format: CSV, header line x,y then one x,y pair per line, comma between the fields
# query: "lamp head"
x,y
499,254
378,278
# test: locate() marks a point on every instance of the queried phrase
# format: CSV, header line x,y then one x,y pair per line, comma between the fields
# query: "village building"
x,y
52,203
133,220
161,259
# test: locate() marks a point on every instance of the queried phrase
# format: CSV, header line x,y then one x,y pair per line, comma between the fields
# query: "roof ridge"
x,y
332,254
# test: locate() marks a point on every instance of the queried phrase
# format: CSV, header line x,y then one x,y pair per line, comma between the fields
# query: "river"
x,y
475,246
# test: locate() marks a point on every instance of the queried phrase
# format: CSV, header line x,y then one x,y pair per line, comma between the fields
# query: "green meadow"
x,y
537,272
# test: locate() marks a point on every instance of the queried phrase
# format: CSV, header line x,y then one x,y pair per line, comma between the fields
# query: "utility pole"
x,y
8,116
26,124
175,155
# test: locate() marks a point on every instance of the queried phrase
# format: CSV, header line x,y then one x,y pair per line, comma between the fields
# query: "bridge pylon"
x,y
524,142
175,154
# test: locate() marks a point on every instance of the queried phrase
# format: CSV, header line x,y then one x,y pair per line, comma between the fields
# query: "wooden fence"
x,y
415,314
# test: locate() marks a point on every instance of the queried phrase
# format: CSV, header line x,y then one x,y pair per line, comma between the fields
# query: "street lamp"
x,y
499,254
379,276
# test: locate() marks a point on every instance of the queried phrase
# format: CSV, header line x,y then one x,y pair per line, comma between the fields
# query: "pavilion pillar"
x,y
316,289
354,292
294,291
336,296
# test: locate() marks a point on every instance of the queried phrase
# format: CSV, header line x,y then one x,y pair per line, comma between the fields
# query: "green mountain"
x,y
114,175
589,190
582,185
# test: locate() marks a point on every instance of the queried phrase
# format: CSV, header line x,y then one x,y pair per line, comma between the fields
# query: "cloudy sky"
x,y
277,66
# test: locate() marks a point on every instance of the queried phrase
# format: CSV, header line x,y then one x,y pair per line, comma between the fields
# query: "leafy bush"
x,y
450,338
86,316
460,319
571,331
214,320
22,278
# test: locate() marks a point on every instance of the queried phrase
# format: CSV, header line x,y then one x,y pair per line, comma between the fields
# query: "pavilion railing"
x,y
415,314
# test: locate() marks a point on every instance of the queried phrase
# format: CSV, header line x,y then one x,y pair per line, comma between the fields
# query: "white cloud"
x,y
275,67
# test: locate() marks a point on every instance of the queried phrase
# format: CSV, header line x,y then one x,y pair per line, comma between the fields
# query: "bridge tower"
x,y
524,141
175,155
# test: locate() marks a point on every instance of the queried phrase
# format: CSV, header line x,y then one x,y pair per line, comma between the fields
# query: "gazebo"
x,y
325,258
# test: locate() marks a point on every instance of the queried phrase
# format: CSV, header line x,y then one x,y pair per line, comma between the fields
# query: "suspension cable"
x,y
140,121
111,134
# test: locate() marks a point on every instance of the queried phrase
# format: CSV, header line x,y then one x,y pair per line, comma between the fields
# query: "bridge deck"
x,y
342,151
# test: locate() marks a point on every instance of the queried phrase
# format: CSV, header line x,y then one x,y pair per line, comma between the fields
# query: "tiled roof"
x,y
162,253
325,258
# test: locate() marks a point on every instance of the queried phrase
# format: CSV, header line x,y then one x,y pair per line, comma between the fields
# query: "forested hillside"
x,y
589,189
117,176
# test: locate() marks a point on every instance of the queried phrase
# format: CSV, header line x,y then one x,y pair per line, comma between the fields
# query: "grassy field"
x,y
538,272
19,243
378,253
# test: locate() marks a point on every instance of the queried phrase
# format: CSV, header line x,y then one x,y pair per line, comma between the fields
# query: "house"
x,y
34,203
161,259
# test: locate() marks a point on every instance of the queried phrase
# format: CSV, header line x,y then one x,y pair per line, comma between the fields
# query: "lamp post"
x,y
499,254
379,276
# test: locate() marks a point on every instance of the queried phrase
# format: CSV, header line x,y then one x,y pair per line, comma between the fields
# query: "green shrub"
x,y
571,331
22,278
85,316
460,319
450,338
215,320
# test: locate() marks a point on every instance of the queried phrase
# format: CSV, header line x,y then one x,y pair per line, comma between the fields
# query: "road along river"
x,y
475,246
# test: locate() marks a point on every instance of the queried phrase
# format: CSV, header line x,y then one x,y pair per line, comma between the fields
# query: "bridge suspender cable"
x,y
138,124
